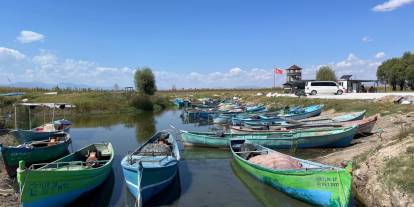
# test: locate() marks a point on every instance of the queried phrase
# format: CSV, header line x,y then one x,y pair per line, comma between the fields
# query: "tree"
x,y
116,87
145,81
325,73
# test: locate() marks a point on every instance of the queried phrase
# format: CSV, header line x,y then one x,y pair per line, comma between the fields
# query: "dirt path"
x,y
369,155
8,189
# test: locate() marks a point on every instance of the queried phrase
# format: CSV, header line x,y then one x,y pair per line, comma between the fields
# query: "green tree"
x,y
325,73
145,81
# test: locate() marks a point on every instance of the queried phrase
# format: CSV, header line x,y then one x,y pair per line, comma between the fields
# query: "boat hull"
x,y
277,140
307,112
154,180
60,186
31,135
12,155
318,187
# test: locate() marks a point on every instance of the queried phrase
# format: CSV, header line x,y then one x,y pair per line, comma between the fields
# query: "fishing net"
x,y
155,149
275,160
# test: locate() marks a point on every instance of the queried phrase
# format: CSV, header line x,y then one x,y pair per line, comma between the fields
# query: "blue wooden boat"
x,y
306,112
296,114
256,108
182,102
42,132
353,116
151,167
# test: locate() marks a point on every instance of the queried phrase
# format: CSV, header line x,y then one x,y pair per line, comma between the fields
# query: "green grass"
x,y
279,102
399,171
120,102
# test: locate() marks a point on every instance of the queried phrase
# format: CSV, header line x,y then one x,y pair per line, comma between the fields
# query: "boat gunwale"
x,y
295,172
46,169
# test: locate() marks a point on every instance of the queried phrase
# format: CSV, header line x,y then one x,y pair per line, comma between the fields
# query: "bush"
x,y
161,101
142,102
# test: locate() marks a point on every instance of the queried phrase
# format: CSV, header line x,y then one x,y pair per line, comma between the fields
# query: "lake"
x,y
207,177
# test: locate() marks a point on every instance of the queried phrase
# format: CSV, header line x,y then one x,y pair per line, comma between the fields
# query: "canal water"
x,y
207,177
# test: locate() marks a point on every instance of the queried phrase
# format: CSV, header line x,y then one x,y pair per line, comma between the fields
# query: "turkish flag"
x,y
278,71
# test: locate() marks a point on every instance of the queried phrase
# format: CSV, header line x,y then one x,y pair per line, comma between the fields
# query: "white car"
x,y
315,87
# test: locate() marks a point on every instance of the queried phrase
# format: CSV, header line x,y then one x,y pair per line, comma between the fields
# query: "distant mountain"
x,y
37,84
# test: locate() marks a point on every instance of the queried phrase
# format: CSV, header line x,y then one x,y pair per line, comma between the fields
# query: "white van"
x,y
315,87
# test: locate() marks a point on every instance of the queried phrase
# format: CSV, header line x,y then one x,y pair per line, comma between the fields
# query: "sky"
x,y
197,44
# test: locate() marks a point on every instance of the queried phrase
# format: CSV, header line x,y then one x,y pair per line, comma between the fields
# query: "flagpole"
x,y
274,78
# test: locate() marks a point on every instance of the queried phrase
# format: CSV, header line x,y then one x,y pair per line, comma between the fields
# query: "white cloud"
x,y
367,39
7,53
352,65
45,60
391,5
380,55
29,36
235,71
232,78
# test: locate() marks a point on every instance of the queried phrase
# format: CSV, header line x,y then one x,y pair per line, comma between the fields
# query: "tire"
x,y
339,92
313,92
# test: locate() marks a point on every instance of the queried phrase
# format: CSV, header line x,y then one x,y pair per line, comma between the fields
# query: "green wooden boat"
x,y
315,183
35,152
60,182
264,193
310,138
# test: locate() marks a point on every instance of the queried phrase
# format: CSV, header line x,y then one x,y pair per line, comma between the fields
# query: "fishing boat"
x,y
296,114
35,152
303,113
60,182
182,102
262,192
43,131
281,128
46,130
311,138
365,126
255,108
353,116
152,167
315,183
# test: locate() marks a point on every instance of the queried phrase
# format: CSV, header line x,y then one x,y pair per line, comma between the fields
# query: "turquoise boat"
x,y
42,132
255,108
310,138
297,114
60,182
352,116
152,167
35,152
314,183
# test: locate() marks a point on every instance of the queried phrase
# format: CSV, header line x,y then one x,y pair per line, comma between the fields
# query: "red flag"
x,y
278,71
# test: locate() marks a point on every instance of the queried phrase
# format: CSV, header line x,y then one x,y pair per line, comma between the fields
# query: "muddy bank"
x,y
371,156
8,188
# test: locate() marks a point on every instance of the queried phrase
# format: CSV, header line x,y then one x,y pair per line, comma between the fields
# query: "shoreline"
x,y
362,153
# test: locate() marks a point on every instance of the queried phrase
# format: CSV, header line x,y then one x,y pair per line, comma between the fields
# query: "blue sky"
x,y
213,43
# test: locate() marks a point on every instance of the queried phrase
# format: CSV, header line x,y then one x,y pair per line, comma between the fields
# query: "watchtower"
x,y
293,73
